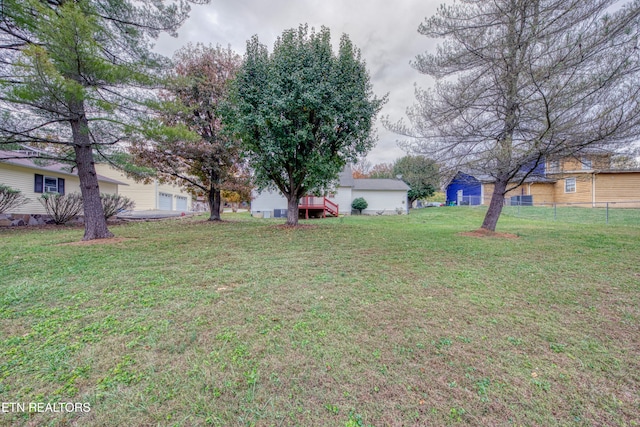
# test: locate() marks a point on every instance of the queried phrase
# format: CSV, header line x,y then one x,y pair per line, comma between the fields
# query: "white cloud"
x,y
385,32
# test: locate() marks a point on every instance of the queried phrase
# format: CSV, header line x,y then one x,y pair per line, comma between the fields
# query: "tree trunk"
x,y
495,207
95,224
292,211
214,204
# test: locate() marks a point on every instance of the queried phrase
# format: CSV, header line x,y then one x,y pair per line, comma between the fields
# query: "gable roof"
x,y
346,179
380,184
26,161
470,177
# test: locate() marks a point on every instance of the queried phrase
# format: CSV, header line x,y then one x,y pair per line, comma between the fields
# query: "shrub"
x,y
62,207
359,204
114,203
10,198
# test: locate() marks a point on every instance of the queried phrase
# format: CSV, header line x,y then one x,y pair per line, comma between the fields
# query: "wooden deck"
x,y
317,206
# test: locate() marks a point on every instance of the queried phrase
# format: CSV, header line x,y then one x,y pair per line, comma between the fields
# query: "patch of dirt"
x,y
295,227
96,242
481,232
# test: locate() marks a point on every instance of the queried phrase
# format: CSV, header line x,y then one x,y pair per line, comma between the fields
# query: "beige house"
x,y
34,177
588,181
152,196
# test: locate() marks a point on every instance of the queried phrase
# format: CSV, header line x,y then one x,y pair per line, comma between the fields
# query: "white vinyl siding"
x,y
268,201
387,202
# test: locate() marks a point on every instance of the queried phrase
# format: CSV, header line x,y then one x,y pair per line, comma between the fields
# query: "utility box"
x,y
279,213
521,200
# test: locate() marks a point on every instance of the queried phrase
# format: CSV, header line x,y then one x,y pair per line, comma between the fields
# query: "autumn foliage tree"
x,y
189,145
381,171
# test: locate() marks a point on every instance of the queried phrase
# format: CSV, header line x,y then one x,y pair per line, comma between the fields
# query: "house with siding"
x,y
586,181
153,195
34,177
383,196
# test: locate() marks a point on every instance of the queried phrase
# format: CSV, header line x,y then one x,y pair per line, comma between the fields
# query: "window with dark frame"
x,y
48,184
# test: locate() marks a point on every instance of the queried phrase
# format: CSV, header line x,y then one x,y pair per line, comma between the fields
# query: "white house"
x,y
383,196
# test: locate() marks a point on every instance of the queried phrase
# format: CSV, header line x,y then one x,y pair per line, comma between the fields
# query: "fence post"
x,y
607,213
555,212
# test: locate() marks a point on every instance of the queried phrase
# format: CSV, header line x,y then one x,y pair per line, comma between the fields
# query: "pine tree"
x,y
73,77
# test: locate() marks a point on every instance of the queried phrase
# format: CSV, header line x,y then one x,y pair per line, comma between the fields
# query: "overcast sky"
x,y
384,30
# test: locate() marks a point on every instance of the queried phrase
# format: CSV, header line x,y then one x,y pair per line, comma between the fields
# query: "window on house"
x,y
48,184
570,185
554,166
586,164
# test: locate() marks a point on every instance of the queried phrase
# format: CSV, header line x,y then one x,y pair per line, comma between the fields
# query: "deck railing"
x,y
315,202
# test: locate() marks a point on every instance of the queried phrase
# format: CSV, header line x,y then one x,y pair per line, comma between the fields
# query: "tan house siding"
x,y
145,196
582,194
22,178
487,193
598,161
618,187
542,192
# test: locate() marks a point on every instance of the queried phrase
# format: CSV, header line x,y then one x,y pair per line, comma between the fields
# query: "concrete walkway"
x,y
153,214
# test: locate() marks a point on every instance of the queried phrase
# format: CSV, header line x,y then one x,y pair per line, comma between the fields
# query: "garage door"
x,y
165,201
181,203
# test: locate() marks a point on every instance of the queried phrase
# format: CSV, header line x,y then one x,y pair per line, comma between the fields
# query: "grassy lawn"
x,y
356,321
582,214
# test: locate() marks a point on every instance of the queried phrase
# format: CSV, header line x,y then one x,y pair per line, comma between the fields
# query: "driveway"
x,y
153,214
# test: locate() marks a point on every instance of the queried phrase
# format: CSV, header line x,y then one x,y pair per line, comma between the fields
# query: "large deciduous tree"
x,y
518,81
303,112
381,171
71,75
420,174
194,96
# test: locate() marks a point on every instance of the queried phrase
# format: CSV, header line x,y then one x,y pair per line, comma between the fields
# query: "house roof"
x,y
346,177
617,171
24,160
488,179
380,184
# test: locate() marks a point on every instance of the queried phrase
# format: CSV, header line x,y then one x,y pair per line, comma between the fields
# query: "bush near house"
x,y
62,207
359,204
10,198
114,203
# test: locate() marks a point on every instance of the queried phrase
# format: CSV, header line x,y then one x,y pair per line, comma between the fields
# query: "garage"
x,y
181,203
165,201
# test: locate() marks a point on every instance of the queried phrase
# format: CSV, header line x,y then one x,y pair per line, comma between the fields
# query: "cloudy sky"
x,y
384,30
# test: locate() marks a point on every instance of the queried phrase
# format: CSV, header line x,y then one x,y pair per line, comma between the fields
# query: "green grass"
x,y
615,214
357,321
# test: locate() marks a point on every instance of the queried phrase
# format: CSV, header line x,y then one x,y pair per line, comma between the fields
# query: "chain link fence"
x,y
615,213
